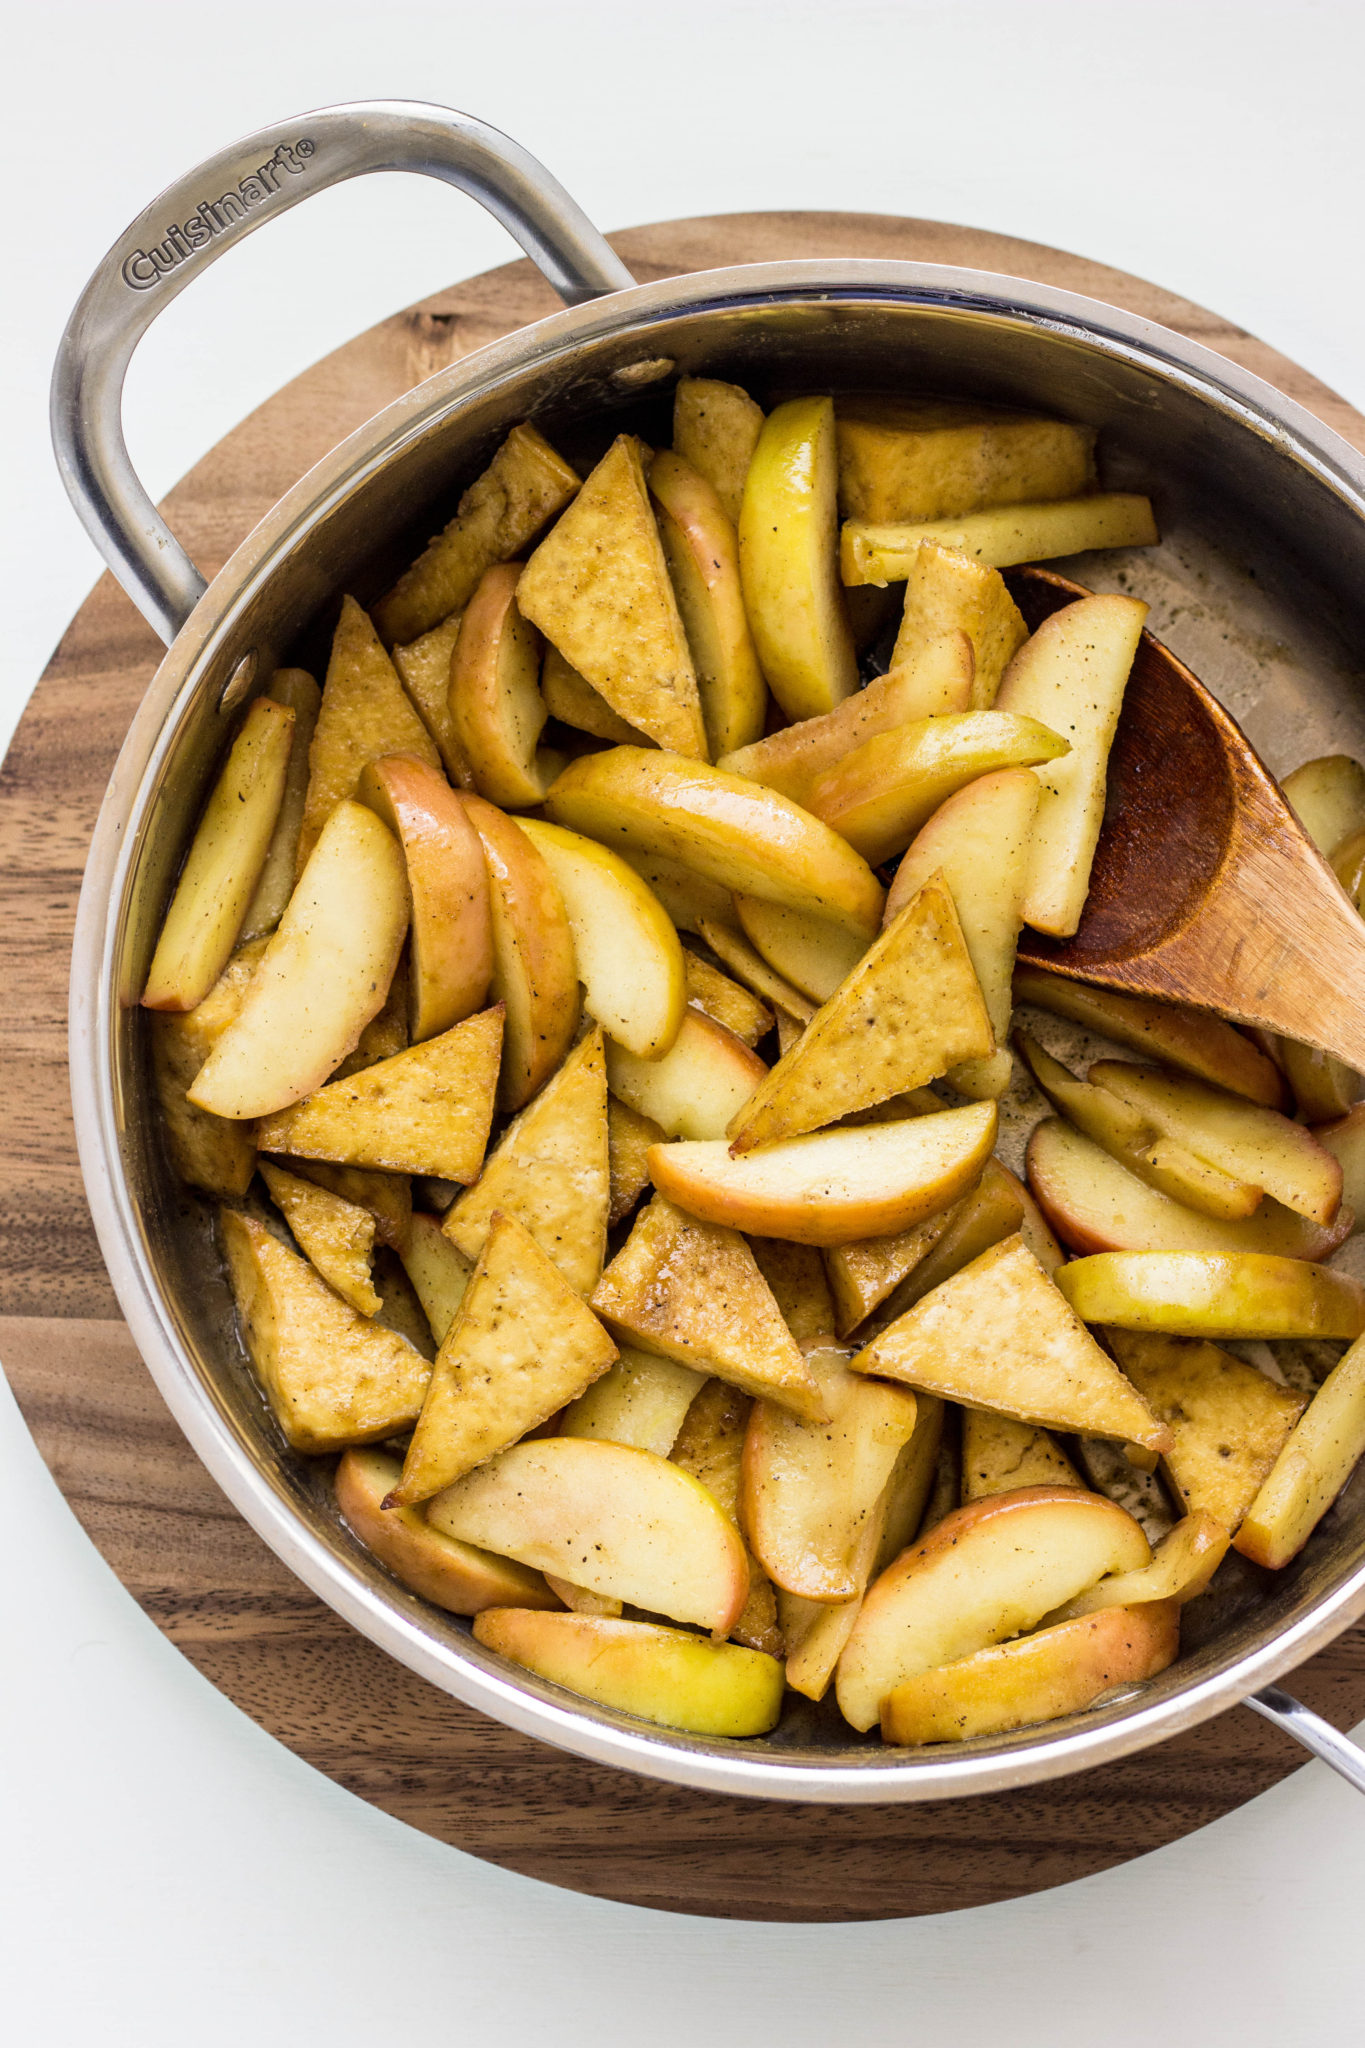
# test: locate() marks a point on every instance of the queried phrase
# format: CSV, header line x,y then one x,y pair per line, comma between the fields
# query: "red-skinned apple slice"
x,y
453,1575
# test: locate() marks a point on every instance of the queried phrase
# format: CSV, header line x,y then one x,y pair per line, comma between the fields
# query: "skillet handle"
x,y
1325,1741
203,214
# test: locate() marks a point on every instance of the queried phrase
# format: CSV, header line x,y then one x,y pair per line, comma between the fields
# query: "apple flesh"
x,y
1344,1138
723,1000
439,1273
812,954
1327,797
1181,1567
641,1401
697,1088
452,1575
701,549
297,691
1318,1459
753,970
1214,1294
495,699
1002,536
535,969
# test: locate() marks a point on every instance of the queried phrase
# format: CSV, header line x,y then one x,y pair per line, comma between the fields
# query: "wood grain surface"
x,y
186,1556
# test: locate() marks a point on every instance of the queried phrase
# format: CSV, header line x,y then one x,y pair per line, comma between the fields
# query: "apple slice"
x,y
424,670
935,680
572,699
598,588
1181,1567
629,1137
324,973
1000,1334
617,1521
944,590
336,1235
909,1010
495,699
980,842
882,792
629,958
1344,1138
989,1570
224,863
1000,1455
524,485
992,1210
864,1272
452,1575
365,712
1072,675
1096,1205
332,1376
687,896
724,1001
1328,798
1319,1457
697,1088
753,970
725,827
1002,536
1198,1044
1214,1294
716,428
701,549
1059,1670
658,1674
295,689
810,953
521,1346
692,1292
550,1171
830,1186
451,956
535,971
810,1489
641,1400
438,1272
1138,1141
1322,1087
710,1445
426,1110
788,557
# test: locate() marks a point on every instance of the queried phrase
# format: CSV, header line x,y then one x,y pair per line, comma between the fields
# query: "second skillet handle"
x,y
1346,1758
200,216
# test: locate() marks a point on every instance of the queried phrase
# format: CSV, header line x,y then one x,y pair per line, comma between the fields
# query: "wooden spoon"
x,y
1206,890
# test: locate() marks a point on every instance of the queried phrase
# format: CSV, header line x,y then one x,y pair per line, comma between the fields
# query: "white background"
x,y
167,1873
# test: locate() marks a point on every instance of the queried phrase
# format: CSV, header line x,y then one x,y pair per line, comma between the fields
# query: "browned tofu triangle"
x,y
337,1235
999,1455
426,1110
521,1346
332,1376
999,1335
599,590
692,1291
910,1009
551,1172
365,712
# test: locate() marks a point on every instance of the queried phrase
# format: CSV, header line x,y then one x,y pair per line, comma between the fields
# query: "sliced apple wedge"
x,y
710,1445
551,1171
617,1521
426,1110
521,1346
830,1186
439,1273
535,970
1214,1294
697,1088
1181,1567
1344,1138
992,1210
1319,1457
871,553
810,953
495,701
879,795
658,1674
324,973
332,1376
1198,1044
450,1574
1322,1087
1095,1205
945,590
725,1001
863,1273
692,1292
1000,1455
725,827
753,970
424,670
451,953
910,1009
295,689
336,1235
598,588
687,896
701,549
811,1489
788,555
629,1137
716,428
987,1571
1059,1670
641,1400
629,958
1328,798
935,680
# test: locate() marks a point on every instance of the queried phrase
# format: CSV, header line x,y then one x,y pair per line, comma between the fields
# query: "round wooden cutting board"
x,y
184,1554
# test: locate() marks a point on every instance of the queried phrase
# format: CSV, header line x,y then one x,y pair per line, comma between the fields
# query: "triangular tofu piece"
x,y
910,1009
521,1346
365,712
692,1291
598,588
999,1455
999,1335
385,1196
551,1171
337,1235
629,1137
426,1110
333,1377
424,668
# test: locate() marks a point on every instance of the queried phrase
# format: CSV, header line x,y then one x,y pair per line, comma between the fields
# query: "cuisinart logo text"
x,y
145,267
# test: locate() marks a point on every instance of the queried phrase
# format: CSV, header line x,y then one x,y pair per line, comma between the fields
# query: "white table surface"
x,y
167,1872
